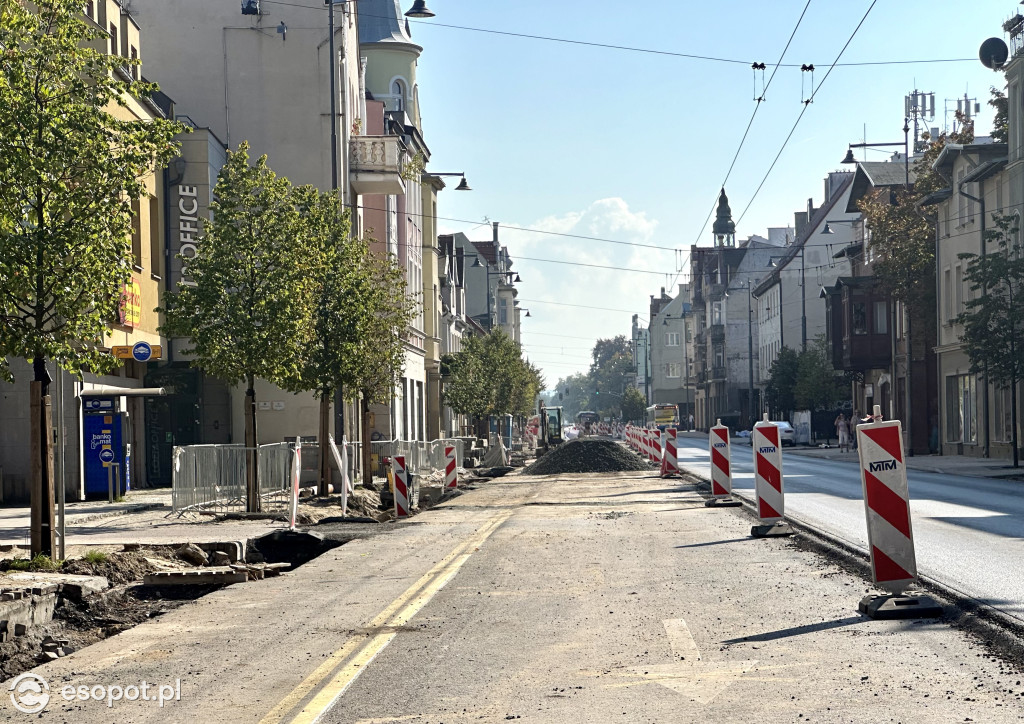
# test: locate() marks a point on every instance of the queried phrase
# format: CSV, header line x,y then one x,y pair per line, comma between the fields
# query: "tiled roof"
x,y
382,21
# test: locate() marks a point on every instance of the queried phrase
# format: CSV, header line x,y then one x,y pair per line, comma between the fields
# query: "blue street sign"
x,y
141,351
107,456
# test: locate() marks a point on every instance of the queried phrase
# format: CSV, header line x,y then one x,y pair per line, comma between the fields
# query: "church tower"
x,y
724,228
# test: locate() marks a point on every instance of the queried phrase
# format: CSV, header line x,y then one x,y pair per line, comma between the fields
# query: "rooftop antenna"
x,y
919,106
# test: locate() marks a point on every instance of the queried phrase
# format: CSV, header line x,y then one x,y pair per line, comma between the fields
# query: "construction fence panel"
x,y
212,477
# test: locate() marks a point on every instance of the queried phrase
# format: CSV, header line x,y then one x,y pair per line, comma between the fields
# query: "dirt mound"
x,y
586,456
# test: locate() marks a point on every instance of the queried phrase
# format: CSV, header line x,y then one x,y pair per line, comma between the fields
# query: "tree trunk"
x,y
252,486
42,523
325,430
367,452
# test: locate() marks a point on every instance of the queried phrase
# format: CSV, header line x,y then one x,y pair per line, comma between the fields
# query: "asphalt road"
x,y
583,598
968,532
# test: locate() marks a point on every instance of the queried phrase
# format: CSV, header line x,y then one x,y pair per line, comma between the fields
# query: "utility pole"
x,y
750,360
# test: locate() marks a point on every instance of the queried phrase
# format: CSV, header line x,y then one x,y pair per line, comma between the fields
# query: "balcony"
x,y
717,332
716,373
376,165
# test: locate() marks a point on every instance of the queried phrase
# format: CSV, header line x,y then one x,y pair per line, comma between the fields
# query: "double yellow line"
x,y
333,677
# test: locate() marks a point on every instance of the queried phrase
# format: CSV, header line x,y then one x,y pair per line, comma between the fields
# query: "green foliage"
x,y
634,406
903,238
489,376
69,171
38,562
382,307
248,312
95,558
817,387
613,360
779,392
1001,122
993,320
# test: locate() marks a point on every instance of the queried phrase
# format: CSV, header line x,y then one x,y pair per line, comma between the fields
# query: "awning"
x,y
110,391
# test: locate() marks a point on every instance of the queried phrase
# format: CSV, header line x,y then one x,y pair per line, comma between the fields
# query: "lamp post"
x,y
906,151
463,184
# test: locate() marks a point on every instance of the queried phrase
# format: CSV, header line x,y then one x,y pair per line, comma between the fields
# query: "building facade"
x,y
671,368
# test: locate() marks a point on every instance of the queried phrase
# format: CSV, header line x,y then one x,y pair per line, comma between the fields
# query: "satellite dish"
x,y
993,53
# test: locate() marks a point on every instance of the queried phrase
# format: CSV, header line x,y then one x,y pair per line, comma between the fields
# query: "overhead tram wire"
x,y
743,140
625,48
803,110
523,228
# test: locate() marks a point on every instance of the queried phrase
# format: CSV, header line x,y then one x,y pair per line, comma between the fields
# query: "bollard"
x,y
296,475
401,487
883,475
656,445
670,462
768,481
720,447
451,477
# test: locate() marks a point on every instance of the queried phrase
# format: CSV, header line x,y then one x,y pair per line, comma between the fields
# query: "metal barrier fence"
x,y
421,458
212,477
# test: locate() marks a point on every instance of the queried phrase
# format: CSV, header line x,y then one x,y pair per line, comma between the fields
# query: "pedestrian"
x,y
690,422
843,432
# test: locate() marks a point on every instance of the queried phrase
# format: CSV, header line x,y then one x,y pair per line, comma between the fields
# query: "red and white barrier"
x,y
768,472
451,476
721,458
669,461
401,486
296,476
883,474
656,446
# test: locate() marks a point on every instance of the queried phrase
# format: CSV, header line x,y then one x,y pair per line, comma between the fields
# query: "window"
x,y
136,234
716,312
156,261
502,311
672,370
671,339
1002,431
135,68
115,48
961,409
860,317
398,90
881,318
947,295
958,281
90,9
719,357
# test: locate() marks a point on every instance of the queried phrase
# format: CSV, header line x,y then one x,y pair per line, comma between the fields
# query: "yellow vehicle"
x,y
662,416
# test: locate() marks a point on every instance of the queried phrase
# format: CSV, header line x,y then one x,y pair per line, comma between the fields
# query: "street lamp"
x,y
419,10
906,151
463,184
803,297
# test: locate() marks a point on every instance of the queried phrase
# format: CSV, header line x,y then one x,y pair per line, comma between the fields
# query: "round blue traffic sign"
x,y
107,455
141,351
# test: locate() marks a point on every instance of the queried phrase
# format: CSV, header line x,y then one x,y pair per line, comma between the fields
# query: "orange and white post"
x,y
451,475
669,461
883,474
401,496
768,484
720,451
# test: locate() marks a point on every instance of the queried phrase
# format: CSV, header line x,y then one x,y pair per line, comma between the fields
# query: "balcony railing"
x,y
376,165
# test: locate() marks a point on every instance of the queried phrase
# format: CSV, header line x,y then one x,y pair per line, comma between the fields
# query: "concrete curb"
x,y
128,509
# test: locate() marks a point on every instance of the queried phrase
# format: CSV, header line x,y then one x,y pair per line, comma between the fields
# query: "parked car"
x,y
787,435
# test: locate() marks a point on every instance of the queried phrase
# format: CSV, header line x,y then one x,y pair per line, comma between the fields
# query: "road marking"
x,y
419,593
688,674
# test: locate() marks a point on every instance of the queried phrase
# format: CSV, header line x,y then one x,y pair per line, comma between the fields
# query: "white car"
x,y
787,435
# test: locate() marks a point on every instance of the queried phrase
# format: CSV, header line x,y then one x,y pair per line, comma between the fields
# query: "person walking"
x,y
843,432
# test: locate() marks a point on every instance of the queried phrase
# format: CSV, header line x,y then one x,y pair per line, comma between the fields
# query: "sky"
x,y
633,147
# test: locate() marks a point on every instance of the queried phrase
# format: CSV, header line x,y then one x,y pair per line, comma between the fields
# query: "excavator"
x,y
550,428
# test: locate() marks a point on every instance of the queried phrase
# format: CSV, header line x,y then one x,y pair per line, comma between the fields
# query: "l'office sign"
x,y
187,229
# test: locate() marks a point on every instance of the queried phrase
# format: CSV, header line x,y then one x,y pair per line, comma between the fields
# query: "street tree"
x,y
612,362
993,320
779,392
634,406
73,159
379,320
489,376
903,239
247,312
336,265
817,387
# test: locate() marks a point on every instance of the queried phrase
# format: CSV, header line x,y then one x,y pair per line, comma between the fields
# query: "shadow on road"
x,y
717,542
799,630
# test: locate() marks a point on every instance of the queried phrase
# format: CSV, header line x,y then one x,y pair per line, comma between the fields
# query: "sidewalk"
x,y
144,516
971,467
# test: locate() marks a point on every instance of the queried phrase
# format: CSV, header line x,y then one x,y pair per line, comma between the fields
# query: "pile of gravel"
x,y
586,456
